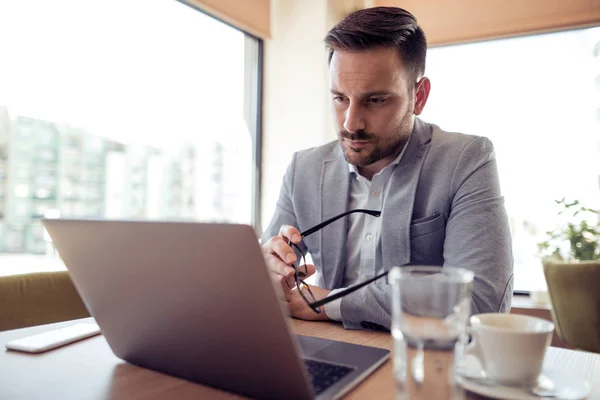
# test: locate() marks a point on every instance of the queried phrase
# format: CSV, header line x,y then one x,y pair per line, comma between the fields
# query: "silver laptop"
x,y
196,301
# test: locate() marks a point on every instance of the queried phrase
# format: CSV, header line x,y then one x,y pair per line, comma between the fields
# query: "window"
x,y
536,98
122,109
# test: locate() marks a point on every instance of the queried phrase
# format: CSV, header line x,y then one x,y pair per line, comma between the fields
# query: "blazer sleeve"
x,y
284,210
477,231
477,238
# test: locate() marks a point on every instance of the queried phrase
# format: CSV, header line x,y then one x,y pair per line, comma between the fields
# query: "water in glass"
x,y
431,306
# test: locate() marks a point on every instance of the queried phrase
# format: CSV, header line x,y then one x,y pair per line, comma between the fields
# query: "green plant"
x,y
583,238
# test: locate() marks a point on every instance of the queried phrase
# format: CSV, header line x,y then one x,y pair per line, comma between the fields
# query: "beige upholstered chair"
x,y
38,298
574,291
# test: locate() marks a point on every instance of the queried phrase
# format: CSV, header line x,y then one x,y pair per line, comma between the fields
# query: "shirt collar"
x,y
353,169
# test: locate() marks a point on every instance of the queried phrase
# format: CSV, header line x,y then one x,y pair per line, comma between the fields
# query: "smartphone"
x,y
55,338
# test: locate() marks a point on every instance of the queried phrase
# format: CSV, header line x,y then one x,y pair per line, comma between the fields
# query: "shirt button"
x,y
369,237
376,193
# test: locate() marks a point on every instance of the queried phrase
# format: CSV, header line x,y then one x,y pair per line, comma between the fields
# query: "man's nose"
x,y
354,120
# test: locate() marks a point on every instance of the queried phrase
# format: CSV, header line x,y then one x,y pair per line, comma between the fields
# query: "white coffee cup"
x,y
511,348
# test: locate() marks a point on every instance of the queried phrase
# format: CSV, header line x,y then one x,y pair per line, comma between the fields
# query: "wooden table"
x,y
89,370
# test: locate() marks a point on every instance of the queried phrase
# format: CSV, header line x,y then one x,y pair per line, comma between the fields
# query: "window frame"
x,y
256,116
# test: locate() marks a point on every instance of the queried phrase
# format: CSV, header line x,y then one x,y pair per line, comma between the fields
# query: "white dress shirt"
x,y
363,247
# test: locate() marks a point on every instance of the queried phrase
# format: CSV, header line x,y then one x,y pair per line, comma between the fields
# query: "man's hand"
x,y
280,258
299,309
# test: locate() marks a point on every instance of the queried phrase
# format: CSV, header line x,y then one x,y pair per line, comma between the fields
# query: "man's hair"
x,y
381,27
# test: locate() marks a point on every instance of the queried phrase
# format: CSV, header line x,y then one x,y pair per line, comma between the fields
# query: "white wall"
x,y
296,111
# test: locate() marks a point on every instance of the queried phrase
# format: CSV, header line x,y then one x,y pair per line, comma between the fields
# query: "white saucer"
x,y
574,387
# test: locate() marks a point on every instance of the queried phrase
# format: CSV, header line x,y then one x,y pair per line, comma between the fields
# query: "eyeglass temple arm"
x,y
349,290
330,220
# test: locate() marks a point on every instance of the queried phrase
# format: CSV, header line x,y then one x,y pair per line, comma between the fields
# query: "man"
x,y
438,192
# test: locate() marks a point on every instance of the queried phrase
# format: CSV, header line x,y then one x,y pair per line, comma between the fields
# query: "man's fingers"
x,y
286,283
280,248
307,270
290,232
277,266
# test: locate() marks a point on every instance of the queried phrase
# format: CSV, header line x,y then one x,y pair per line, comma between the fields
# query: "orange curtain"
x,y
252,16
455,21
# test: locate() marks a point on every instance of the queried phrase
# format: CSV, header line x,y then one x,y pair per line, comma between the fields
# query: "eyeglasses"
x,y
303,287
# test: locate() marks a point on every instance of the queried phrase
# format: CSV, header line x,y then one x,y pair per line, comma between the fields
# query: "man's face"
x,y
373,103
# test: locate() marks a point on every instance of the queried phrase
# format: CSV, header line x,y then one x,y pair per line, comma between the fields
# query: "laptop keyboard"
x,y
323,374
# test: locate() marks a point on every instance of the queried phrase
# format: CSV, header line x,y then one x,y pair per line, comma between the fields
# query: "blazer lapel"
x,y
334,194
400,197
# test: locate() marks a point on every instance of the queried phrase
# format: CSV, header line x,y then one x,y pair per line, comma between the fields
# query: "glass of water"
x,y
430,310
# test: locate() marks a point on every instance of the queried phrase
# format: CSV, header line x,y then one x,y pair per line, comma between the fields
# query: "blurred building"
x,y
4,132
32,182
597,99
49,169
224,185
127,181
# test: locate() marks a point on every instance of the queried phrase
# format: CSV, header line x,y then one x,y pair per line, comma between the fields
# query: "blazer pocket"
x,y
427,237
427,225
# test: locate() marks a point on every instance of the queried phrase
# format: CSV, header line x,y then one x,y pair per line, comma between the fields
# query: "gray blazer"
x,y
443,207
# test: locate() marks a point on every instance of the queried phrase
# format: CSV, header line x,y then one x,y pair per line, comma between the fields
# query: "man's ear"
x,y
421,94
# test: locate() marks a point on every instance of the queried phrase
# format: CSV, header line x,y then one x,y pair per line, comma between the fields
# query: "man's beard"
x,y
379,147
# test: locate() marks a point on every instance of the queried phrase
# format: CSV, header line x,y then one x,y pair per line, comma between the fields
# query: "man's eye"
x,y
338,98
377,100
